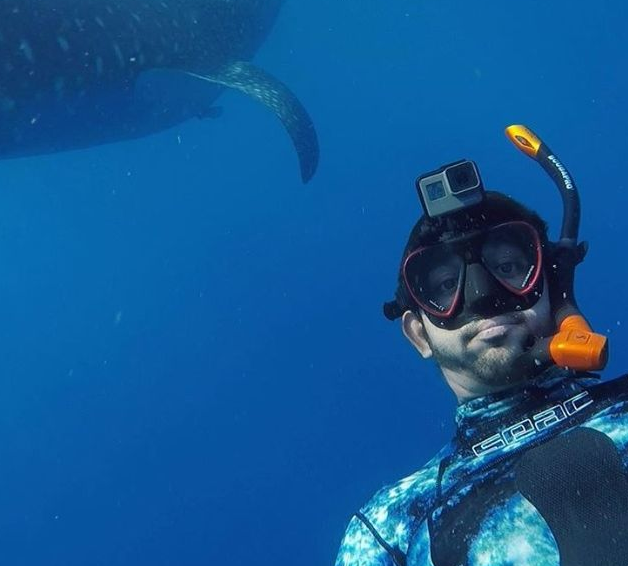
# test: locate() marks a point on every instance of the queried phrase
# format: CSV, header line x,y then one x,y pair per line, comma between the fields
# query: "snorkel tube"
x,y
574,346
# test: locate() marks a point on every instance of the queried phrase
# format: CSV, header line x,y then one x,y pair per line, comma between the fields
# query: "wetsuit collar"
x,y
479,418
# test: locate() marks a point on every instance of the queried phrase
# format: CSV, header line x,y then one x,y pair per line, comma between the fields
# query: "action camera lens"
x,y
462,177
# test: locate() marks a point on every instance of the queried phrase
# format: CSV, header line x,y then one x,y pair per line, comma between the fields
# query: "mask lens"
x,y
434,277
512,254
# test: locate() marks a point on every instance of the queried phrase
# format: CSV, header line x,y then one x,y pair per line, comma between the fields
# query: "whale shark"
x,y
80,73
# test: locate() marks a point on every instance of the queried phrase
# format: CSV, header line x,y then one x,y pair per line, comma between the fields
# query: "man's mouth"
x,y
494,332
495,328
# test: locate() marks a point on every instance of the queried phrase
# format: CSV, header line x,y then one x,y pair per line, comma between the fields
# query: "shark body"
x,y
79,73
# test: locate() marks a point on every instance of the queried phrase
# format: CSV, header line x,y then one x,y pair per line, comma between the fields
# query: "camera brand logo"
x,y
533,425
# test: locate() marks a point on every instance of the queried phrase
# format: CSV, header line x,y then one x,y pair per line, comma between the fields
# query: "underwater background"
x,y
195,368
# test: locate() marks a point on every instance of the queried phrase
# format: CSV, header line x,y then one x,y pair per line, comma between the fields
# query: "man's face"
x,y
484,350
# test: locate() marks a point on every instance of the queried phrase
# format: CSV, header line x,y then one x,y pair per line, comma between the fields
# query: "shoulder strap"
x,y
398,557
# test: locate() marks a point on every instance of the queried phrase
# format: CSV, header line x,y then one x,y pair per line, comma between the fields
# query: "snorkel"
x,y
574,346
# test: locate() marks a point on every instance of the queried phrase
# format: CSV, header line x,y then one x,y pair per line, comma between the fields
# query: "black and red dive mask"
x,y
480,275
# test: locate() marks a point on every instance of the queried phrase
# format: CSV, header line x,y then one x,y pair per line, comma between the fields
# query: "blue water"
x,y
194,368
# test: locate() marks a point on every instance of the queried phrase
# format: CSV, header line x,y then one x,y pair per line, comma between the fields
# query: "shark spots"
x,y
27,50
59,86
6,104
63,43
119,55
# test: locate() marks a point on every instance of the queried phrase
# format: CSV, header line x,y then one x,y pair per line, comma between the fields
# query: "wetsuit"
x,y
533,477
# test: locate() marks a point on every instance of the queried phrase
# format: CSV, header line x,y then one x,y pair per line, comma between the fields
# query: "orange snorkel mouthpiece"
x,y
577,347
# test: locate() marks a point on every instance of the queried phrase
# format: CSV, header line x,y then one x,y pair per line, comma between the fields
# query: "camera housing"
x,y
452,187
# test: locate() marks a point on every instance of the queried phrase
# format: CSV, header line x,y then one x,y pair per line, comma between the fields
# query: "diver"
x,y
536,473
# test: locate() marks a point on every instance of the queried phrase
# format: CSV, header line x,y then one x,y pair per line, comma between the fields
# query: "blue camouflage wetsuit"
x,y
534,477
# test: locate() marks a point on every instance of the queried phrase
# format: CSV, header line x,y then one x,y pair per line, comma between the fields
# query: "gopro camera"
x,y
452,187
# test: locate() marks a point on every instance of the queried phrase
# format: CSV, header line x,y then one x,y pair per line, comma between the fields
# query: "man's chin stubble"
x,y
495,366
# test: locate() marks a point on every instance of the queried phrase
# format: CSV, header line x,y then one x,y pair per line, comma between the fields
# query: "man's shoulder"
x,y
610,415
394,506
383,526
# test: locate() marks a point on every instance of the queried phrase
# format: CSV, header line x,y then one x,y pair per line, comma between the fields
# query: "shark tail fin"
x,y
268,90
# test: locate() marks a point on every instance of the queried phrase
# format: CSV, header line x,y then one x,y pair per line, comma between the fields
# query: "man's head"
x,y
472,292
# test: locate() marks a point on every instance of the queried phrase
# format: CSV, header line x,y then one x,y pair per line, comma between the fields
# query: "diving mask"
x,y
479,275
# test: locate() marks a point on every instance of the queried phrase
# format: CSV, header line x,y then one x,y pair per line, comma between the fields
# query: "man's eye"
x,y
448,284
506,268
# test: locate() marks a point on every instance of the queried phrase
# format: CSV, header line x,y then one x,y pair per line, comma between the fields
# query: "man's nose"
x,y
483,295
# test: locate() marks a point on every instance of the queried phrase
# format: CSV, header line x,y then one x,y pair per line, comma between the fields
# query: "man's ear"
x,y
414,331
